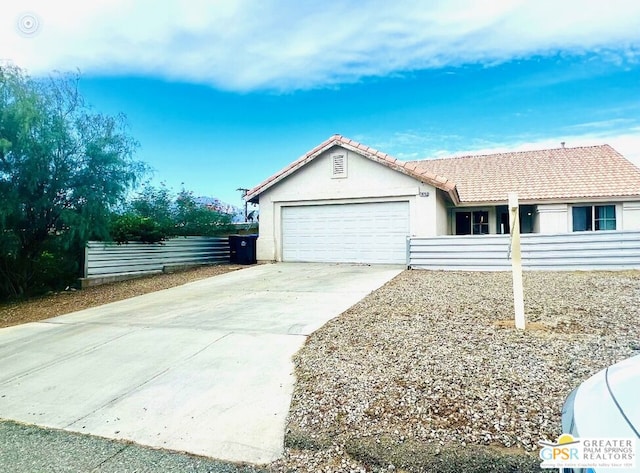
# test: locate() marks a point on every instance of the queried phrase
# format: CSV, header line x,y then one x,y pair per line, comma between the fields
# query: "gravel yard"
x,y
429,374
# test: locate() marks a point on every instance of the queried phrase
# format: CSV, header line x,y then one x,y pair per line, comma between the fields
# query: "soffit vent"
x,y
339,165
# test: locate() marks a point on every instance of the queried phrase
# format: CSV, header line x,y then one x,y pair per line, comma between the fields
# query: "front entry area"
x,y
346,233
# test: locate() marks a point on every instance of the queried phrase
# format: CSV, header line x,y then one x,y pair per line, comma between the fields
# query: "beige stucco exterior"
x,y
558,218
368,176
365,181
553,218
442,222
549,218
631,215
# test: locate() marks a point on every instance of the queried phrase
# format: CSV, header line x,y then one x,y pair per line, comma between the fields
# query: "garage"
x,y
345,202
346,233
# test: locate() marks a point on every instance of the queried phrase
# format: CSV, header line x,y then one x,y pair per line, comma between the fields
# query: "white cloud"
x,y
623,134
244,45
626,142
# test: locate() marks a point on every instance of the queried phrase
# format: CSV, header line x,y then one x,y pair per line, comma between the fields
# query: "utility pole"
x,y
244,192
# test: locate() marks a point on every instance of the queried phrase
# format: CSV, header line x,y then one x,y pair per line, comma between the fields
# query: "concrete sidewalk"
x,y
203,368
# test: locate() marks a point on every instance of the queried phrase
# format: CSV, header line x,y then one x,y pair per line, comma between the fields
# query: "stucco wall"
x,y
366,181
442,222
553,218
631,215
558,218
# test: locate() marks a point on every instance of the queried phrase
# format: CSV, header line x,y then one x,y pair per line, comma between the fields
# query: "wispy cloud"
x,y
603,124
628,144
414,144
286,45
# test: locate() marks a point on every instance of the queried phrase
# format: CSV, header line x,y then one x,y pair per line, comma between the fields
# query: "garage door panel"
x,y
359,233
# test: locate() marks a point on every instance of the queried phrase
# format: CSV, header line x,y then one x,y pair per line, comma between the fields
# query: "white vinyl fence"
x,y
605,250
105,259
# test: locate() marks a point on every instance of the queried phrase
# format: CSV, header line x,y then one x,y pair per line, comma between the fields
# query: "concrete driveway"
x,y
203,368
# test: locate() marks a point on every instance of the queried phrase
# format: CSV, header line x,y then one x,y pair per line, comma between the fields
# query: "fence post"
x,y
516,261
85,268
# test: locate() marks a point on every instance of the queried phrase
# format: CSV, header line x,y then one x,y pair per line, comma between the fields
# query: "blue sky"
x,y
221,94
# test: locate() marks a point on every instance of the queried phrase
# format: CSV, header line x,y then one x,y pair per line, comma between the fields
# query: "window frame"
x,y
597,219
481,224
593,220
472,222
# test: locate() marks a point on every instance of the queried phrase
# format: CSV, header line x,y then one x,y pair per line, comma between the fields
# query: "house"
x,y
346,202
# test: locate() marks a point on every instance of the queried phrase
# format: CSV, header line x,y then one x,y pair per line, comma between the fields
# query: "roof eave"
x,y
403,167
554,200
253,194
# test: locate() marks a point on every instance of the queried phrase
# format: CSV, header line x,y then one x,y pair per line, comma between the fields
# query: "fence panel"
x,y
102,259
606,250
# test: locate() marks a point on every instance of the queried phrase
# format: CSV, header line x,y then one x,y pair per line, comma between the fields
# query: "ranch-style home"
x,y
346,202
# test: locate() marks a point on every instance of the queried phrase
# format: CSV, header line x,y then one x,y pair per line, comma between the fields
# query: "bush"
x,y
55,267
130,227
155,215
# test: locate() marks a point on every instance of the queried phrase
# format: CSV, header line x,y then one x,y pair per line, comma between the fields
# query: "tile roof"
x,y
591,172
551,174
410,169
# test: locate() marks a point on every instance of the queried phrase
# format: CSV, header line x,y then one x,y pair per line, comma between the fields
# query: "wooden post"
x,y
516,261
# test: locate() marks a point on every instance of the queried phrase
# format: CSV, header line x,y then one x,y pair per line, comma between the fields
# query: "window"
x,y
594,217
527,219
338,165
476,223
502,212
605,217
481,223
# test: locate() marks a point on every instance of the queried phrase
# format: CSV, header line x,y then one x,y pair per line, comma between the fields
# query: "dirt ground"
x,y
59,303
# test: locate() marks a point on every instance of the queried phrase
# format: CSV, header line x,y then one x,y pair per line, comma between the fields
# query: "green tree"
x,y
155,214
156,204
63,169
147,217
193,218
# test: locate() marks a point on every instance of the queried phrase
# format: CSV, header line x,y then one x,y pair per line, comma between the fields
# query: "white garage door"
x,y
346,233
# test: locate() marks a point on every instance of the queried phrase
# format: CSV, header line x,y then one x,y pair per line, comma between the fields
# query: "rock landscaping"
x,y
429,374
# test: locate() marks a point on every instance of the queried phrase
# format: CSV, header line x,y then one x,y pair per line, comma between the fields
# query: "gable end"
x,y
338,165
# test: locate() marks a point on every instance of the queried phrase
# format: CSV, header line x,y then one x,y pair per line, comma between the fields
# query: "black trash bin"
x,y
242,249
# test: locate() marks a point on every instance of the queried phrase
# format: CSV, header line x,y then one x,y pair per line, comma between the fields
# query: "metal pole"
x,y
244,192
